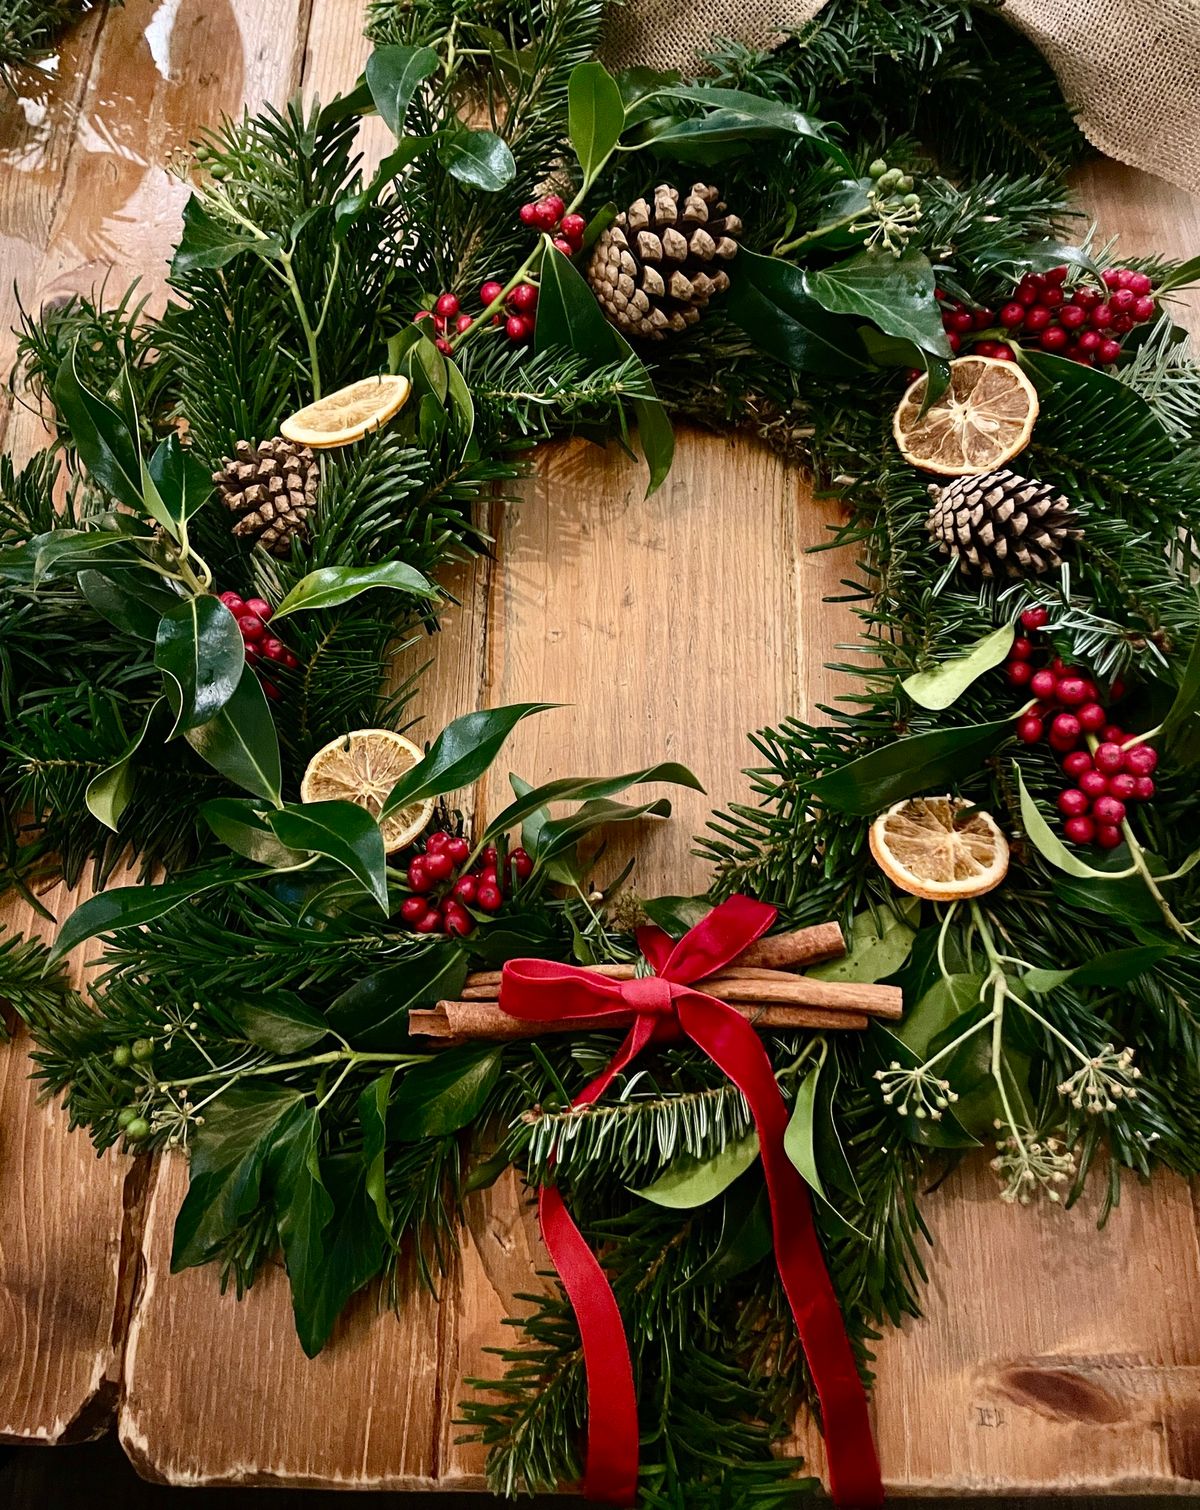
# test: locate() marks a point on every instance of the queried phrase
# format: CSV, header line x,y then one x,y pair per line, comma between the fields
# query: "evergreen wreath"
x,y
254,996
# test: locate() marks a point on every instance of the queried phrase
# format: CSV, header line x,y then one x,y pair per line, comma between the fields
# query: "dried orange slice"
x,y
984,418
347,415
940,848
363,767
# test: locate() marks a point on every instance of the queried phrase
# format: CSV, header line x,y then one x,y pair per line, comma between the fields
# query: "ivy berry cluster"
x,y
253,615
443,889
1109,770
1084,323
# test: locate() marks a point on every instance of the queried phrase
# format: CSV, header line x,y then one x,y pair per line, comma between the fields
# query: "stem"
x,y
352,1058
817,234
1139,861
310,335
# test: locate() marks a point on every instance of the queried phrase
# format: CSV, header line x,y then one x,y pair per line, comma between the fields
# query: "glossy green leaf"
x,y
372,1117
279,1022
1186,703
183,482
350,206
479,158
392,76
689,1182
241,741
878,946
746,1236
303,1209
1111,970
438,1098
569,788
894,293
352,1252
460,754
1038,257
133,602
918,763
240,822
1046,841
331,586
676,915
1115,898
341,831
105,439
798,1139
63,553
130,906
202,656
109,792
770,301
373,1013
229,1152
734,118
208,243
560,835
949,679
595,115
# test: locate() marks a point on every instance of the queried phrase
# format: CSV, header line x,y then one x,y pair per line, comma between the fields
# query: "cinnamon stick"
x,y
467,1021
771,988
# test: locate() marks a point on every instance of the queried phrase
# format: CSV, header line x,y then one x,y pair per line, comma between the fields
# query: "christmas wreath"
x,y
963,911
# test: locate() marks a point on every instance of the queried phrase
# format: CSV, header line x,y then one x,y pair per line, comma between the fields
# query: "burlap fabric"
x,y
1131,68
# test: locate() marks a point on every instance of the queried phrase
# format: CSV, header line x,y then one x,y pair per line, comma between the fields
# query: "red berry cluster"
x,y
520,305
1109,773
547,214
446,309
1083,322
961,322
443,892
252,615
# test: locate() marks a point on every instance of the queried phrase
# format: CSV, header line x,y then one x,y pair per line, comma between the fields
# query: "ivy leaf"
x,y
373,1013
690,1182
104,437
129,907
208,243
240,823
341,831
864,787
372,1117
460,754
479,158
229,1152
392,75
280,1023
438,1098
303,1209
353,1249
879,945
1048,844
949,679
949,998
241,741
1121,896
770,301
894,293
108,794
201,654
134,604
181,479
595,115
331,586
567,788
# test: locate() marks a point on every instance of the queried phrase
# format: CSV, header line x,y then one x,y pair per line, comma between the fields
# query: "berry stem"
x,y
1151,885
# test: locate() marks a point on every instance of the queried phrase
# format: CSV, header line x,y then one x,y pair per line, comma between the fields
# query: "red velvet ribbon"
x,y
665,1005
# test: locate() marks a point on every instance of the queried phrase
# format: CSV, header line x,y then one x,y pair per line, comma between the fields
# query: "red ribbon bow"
x,y
666,1005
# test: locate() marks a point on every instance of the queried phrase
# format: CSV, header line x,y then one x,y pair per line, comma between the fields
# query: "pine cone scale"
x,y
273,488
1002,524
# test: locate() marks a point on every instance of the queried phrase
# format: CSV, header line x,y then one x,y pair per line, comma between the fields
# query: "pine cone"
x,y
656,266
1001,524
273,486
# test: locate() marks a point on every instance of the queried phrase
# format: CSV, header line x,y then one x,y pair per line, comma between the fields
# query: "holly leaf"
x,y
109,793
331,586
735,119
770,301
894,293
241,823
561,835
595,116
567,788
134,604
105,439
340,831
181,479
459,755
129,907
949,679
202,656
689,1182
372,1117
479,158
352,1247
438,1098
938,759
373,1013
392,76
241,742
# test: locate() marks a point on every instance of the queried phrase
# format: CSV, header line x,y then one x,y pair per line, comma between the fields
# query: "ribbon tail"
x,y
730,1041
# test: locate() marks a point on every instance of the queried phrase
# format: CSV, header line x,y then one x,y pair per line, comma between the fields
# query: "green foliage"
x,y
29,30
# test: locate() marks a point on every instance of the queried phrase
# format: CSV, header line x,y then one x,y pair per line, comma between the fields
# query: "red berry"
x,y
516,327
1092,717
289,660
447,306
962,321
430,923
1077,762
1111,277
422,314
1054,339
462,324
439,324
1108,837
1037,318
562,246
521,862
1143,788
1072,691
1109,351
489,898
458,849
413,908
1057,276
465,889
544,217
1140,759
553,205
232,602
439,866
1143,309
436,841
1064,732
1022,649
444,346
528,214
1122,785
1035,618
947,319
983,317
489,855
418,876
1019,673
1052,298
271,691
1086,297
1113,735
259,606
1072,803
986,348
1140,283
488,875
1090,340
1123,324
1028,292
523,298
251,625
1012,314
253,653
490,291
953,340
1072,316
1109,810
1109,758
1029,729
1043,684
1080,829
1005,353
1117,690
273,649
1122,302
573,227
1093,783
1100,317
459,923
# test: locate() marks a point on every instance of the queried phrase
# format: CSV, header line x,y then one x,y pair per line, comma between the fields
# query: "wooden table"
x,y
1053,1357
